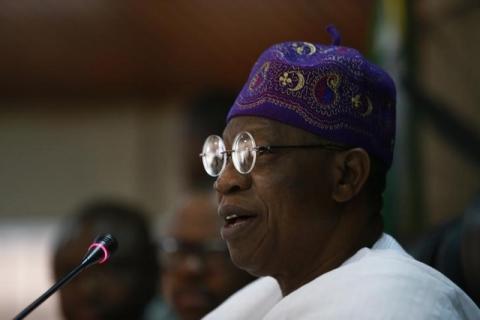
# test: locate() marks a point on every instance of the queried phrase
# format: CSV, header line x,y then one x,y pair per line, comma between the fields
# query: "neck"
x,y
354,231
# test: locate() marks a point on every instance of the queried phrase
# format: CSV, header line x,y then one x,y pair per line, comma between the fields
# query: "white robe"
x,y
383,282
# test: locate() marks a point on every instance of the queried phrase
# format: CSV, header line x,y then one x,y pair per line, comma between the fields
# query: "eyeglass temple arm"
x,y
305,146
301,146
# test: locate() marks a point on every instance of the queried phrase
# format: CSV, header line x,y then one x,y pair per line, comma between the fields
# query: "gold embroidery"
x,y
285,79
369,108
330,80
356,101
333,82
300,82
293,80
300,48
301,111
260,73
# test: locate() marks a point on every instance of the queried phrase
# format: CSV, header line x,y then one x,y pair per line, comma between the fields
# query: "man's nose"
x,y
230,180
192,265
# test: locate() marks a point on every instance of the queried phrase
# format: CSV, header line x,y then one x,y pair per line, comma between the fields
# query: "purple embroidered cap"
x,y
329,90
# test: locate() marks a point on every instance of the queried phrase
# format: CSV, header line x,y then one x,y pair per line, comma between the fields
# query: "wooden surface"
x,y
155,48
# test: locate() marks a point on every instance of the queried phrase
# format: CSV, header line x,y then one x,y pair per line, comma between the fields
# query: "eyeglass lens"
x,y
209,254
214,157
214,154
244,153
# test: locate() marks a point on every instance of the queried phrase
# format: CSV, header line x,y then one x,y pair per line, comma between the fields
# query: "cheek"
x,y
168,285
277,194
284,190
118,293
115,294
309,184
69,299
291,193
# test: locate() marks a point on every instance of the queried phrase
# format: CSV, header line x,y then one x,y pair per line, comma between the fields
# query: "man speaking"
x,y
300,175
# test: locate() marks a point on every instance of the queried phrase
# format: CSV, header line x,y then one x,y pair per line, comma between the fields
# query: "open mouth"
x,y
235,219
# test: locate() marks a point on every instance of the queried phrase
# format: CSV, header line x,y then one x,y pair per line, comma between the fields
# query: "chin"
x,y
246,261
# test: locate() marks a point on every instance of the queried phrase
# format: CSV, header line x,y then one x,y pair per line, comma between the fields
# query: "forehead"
x,y
195,220
270,130
72,248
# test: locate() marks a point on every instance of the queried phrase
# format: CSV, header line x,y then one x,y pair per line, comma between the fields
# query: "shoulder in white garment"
x,y
251,302
383,282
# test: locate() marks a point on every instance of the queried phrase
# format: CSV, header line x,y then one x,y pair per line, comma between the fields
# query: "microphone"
x,y
99,252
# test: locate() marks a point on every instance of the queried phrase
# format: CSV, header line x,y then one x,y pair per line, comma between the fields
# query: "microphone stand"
x,y
25,312
103,246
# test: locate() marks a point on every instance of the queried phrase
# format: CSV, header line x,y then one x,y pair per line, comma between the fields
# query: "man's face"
x,y
196,279
285,206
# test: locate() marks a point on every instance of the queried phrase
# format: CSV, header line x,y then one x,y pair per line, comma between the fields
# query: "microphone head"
x,y
101,249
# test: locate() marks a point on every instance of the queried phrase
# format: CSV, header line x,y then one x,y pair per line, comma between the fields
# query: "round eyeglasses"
x,y
244,152
210,254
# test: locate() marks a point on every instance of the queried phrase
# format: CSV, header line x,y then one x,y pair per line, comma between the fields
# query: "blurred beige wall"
x,y
449,69
57,155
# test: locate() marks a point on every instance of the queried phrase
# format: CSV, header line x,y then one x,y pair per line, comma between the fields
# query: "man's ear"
x,y
351,171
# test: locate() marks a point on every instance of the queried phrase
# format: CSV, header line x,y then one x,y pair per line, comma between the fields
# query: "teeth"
x,y
230,217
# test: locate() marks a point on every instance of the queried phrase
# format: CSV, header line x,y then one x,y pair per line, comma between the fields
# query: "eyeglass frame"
x,y
175,252
268,149
172,244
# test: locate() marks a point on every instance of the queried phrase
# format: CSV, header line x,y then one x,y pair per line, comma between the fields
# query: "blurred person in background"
x,y
453,248
123,288
198,274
